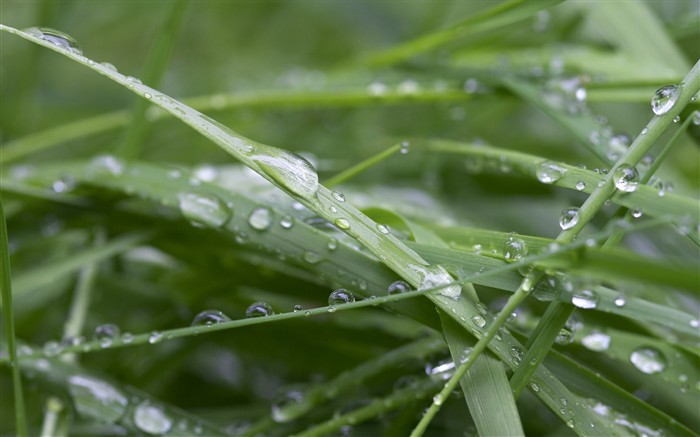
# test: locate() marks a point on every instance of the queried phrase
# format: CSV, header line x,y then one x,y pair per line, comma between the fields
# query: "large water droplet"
x,y
514,249
398,287
596,341
204,210
289,170
260,219
437,275
152,419
479,321
342,223
259,309
585,299
549,172
106,333
568,218
288,404
97,398
57,38
648,360
339,297
664,98
626,178
210,317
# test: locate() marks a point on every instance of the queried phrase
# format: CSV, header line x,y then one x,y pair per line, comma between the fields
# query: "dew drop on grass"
x,y
620,301
404,147
564,337
549,172
580,185
626,178
291,171
514,249
696,117
377,88
339,297
337,195
297,308
287,222
151,419
259,309
109,66
204,210
398,287
209,317
648,360
342,223
479,321
51,348
332,244
57,38
86,390
104,165
260,219
585,299
288,404
382,229
464,356
568,218
694,323
596,341
437,275
664,99
437,399
311,257
636,212
155,337
106,333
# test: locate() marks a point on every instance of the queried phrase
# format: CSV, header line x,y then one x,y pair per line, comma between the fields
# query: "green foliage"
x,y
142,254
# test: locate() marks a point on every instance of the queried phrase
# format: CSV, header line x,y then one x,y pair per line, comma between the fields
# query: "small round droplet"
x,y
106,333
147,96
398,287
298,308
694,323
312,257
51,348
585,299
696,117
342,223
664,99
204,210
580,185
288,404
259,309
104,165
404,147
337,195
648,360
151,419
287,222
437,399
260,218
514,249
382,229
210,317
626,178
339,297
464,356
549,172
332,244
620,301
596,341
677,118
479,321
636,212
155,337
569,218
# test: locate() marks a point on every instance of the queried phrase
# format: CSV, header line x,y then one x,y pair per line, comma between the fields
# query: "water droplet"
x,y
405,146
339,297
94,396
534,386
291,171
570,423
549,172
382,229
471,86
677,118
408,86
437,275
337,195
127,337
155,337
626,178
580,185
287,222
568,218
645,131
210,317
342,223
109,66
377,88
696,117
664,98
437,399
585,299
514,249
147,96
259,309
57,38
694,323
63,185
51,348
464,356
260,218
620,301
565,94
104,165
204,210
152,419
596,341
648,360
564,337
636,212
479,321
106,333
312,257
288,404
297,308
398,287
332,244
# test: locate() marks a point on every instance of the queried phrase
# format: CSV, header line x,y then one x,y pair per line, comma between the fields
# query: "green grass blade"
x,y
8,316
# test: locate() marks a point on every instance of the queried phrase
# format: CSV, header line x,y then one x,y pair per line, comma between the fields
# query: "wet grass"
x,y
164,285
